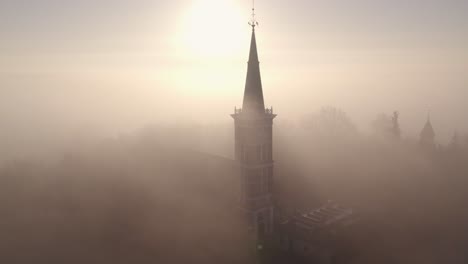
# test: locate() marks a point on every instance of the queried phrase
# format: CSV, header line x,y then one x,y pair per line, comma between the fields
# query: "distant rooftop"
x,y
330,214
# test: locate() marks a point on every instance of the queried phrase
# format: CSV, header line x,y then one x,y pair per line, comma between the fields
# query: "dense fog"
x,y
117,144
168,193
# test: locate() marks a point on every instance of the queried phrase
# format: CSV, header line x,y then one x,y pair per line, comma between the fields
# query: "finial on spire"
x,y
253,22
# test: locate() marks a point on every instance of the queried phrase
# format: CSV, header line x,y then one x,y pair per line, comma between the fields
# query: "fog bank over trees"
x,y
132,197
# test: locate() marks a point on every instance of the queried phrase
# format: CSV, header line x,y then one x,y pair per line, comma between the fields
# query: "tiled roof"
x,y
329,214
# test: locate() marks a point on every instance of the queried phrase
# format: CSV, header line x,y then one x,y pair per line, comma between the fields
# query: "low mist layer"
x,y
159,195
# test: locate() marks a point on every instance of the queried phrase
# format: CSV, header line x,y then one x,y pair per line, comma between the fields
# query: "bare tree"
x,y
331,121
387,126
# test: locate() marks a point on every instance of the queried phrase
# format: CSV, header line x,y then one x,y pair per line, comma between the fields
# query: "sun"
x,y
214,28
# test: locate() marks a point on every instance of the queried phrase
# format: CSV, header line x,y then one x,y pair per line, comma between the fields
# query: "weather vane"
x,y
254,21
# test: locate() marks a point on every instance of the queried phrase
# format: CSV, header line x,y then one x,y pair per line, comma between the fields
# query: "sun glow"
x,y
214,28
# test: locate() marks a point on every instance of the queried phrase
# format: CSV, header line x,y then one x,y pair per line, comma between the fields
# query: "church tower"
x,y
427,135
253,149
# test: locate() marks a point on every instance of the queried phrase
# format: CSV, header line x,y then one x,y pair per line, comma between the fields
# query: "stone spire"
x,y
253,93
254,151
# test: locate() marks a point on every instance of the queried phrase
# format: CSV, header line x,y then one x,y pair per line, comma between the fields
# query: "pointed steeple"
x,y
253,147
428,130
427,135
253,93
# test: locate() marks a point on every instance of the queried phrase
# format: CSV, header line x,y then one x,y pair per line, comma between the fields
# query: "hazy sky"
x,y
119,65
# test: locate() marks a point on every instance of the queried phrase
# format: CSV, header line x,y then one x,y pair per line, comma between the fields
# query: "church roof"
x,y
328,215
253,93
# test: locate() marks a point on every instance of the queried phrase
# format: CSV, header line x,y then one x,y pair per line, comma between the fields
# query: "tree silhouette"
x,y
387,126
331,121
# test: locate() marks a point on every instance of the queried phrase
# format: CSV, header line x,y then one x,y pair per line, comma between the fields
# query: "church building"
x,y
253,149
310,234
